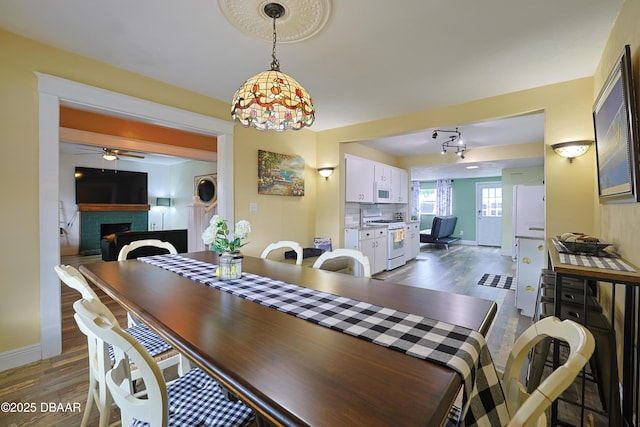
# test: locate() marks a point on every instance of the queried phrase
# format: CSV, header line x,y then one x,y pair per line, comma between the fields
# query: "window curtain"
x,y
415,199
443,197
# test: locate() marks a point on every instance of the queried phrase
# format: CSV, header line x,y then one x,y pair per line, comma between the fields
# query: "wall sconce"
x,y
325,172
571,149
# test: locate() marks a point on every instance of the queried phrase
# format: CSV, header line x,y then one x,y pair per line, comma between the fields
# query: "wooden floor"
x,y
59,380
64,379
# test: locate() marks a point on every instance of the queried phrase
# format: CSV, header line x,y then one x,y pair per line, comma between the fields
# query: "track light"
x,y
460,146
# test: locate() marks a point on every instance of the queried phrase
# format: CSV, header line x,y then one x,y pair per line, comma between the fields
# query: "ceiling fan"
x,y
114,154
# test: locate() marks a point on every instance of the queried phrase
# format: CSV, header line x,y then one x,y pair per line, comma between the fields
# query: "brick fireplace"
x,y
93,217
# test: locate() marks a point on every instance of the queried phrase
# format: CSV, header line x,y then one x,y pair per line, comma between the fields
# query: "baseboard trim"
x,y
467,242
20,356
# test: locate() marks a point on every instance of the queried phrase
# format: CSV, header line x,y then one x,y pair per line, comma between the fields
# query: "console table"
x,y
623,278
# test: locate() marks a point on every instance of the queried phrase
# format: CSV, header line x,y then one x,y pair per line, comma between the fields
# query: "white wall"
x,y
183,189
176,182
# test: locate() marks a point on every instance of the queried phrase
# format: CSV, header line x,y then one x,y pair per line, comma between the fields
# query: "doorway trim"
x,y
55,91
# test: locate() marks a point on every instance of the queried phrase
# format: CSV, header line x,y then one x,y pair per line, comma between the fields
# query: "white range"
x,y
396,237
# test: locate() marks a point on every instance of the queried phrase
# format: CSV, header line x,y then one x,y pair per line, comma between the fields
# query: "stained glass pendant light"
x,y
273,100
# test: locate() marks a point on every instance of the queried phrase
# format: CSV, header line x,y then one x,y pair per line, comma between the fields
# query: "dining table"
x,y
291,371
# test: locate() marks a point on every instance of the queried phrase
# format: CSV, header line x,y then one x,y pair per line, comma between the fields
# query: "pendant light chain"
x,y
275,64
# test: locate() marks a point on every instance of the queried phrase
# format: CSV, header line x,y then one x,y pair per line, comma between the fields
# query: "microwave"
x,y
381,193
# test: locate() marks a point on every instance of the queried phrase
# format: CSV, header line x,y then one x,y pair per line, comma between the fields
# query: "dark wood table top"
x,y
292,371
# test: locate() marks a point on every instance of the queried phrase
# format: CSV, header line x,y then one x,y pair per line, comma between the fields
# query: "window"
x,y
427,200
492,202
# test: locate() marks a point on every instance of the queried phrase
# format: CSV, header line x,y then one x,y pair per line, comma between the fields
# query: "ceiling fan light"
x,y
109,156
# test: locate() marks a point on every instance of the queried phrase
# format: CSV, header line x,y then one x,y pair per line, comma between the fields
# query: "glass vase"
x,y
230,265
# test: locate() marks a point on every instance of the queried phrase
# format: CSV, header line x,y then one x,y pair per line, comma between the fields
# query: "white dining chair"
x,y
123,255
186,401
528,410
284,244
346,253
136,244
101,357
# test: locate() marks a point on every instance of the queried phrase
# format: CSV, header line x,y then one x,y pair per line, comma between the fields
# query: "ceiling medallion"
x,y
302,18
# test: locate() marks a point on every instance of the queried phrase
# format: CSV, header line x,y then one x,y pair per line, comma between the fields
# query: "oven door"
x,y
395,246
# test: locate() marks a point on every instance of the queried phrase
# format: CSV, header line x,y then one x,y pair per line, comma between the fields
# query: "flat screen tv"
x,y
110,186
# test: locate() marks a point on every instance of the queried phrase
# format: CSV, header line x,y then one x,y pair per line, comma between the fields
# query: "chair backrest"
x,y
349,253
529,410
71,277
443,226
89,315
160,244
285,244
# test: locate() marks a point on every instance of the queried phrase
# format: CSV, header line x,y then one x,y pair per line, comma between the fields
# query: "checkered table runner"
x,y
595,262
461,349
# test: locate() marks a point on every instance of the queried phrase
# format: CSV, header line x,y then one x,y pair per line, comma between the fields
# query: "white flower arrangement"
x,y
220,239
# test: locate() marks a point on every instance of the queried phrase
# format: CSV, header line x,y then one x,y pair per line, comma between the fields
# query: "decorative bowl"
x,y
586,247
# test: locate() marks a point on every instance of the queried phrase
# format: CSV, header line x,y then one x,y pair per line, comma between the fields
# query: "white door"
x,y
489,213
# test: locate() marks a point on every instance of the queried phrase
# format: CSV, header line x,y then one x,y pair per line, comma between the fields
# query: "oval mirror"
x,y
206,188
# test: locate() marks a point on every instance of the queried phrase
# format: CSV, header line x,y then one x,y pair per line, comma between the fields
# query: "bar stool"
x,y
603,363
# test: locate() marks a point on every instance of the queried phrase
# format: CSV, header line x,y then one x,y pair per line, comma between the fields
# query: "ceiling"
x,y
371,60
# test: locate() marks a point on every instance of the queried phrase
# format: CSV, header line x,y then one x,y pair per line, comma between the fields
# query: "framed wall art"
x,y
280,174
616,135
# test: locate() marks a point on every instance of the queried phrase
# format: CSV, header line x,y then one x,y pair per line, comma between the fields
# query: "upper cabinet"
x,y
399,185
359,177
365,178
382,173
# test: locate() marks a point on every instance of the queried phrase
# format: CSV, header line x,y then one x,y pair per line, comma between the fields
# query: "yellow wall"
x,y
619,222
570,187
19,59
277,217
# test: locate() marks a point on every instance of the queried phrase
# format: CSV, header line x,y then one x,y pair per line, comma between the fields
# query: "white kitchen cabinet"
x,y
382,173
359,179
372,242
412,242
399,185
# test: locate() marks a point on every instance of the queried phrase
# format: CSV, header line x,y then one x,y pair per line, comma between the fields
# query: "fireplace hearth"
x,y
106,229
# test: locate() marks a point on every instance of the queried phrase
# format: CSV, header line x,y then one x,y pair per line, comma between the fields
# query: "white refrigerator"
x,y
529,245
